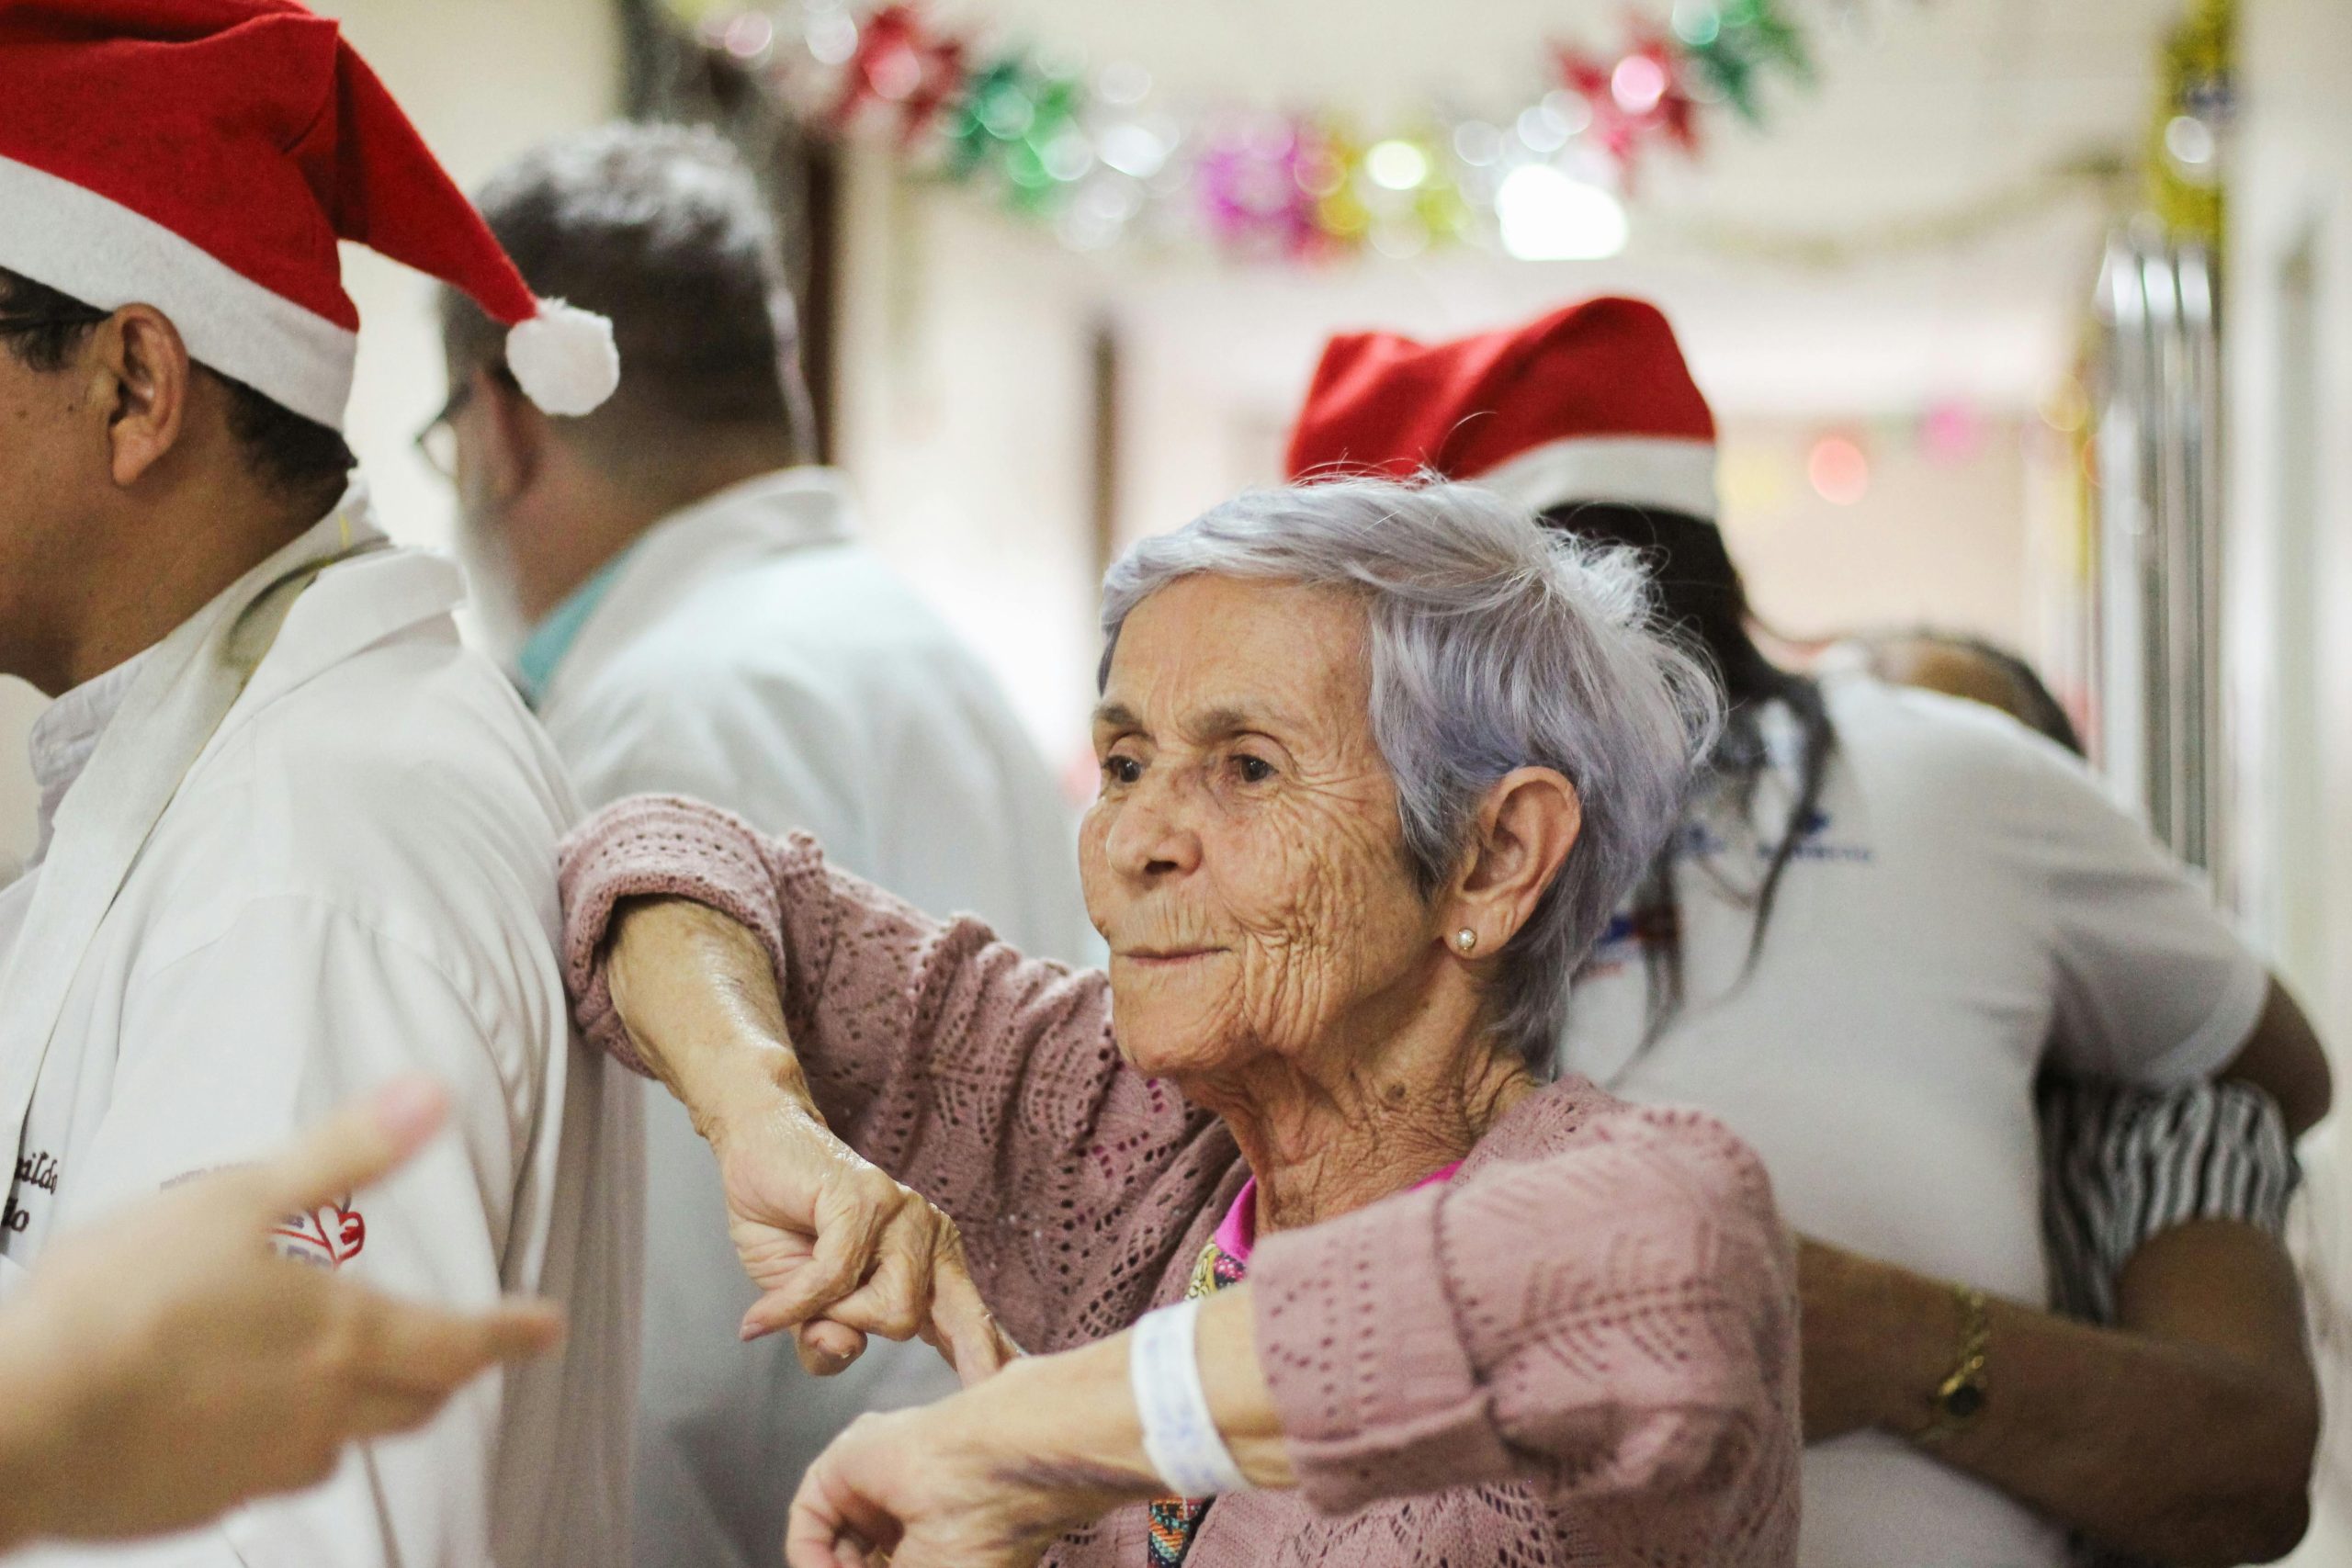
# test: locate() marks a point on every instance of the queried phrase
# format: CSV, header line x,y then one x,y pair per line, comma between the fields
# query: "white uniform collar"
x,y
773,514
785,509
351,607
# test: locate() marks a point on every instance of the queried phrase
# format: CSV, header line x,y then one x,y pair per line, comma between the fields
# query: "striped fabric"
x,y
2122,1165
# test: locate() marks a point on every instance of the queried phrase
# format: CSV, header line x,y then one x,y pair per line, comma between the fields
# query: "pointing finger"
x,y
974,1345
426,1349
357,1146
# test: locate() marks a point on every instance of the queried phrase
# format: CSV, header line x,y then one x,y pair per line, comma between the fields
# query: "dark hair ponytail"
x,y
1700,598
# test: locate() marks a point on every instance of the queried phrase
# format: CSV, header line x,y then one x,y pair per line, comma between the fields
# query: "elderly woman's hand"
x,y
839,1249
161,1367
992,1476
842,1251
988,1479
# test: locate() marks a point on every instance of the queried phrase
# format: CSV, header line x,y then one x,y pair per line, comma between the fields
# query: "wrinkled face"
x,y
1244,859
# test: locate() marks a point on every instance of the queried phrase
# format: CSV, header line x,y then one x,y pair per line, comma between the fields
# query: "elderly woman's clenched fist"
x,y
839,1249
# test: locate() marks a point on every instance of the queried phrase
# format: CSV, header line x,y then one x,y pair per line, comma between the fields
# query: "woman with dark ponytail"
x,y
1883,915
1699,593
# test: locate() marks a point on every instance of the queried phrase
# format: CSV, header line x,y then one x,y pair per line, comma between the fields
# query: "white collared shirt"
x,y
60,746
66,734
355,881
752,652
1964,906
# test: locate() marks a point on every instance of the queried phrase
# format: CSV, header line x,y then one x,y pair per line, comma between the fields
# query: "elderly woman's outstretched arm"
x,y
1612,1322
821,1005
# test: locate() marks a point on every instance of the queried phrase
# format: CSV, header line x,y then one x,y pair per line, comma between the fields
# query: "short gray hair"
x,y
662,229
1496,644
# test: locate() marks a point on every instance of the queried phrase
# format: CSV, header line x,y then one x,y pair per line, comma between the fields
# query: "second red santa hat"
x,y
204,156
1592,404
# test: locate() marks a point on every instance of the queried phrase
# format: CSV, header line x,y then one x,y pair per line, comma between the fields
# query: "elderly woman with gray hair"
x,y
1318,1272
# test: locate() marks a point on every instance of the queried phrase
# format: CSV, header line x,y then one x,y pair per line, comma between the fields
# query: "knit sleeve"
x,y
988,1081
656,846
1614,1321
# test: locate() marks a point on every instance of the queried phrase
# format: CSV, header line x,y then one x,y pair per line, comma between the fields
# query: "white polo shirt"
x,y
1963,902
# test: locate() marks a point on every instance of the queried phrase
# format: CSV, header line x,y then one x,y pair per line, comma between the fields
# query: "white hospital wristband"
x,y
1179,1437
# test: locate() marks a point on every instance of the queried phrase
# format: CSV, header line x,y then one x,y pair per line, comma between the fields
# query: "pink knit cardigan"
x,y
1580,1350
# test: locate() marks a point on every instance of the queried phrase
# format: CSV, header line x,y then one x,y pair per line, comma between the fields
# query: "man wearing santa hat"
x,y
1884,915
296,842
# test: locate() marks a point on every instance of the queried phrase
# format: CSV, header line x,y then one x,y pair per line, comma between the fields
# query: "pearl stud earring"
x,y
1466,940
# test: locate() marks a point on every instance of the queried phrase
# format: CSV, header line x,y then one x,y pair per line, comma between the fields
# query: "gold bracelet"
x,y
1959,1399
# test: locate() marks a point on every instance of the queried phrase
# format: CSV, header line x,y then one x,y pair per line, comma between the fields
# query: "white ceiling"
x,y
1926,111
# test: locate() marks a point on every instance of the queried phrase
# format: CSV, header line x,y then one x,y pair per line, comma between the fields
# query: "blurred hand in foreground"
x,y
166,1365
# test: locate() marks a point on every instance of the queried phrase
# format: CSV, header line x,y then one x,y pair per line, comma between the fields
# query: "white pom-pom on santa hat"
x,y
234,234
564,358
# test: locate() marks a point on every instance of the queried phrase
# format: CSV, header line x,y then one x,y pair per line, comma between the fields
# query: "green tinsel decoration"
x,y
1732,45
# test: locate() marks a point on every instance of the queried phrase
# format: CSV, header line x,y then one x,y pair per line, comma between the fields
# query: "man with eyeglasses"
x,y
296,842
690,610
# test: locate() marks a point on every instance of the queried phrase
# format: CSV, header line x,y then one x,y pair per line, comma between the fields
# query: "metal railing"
x,y
2159,501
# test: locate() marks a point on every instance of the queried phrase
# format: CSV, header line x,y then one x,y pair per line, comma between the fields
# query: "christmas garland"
x,y
1095,156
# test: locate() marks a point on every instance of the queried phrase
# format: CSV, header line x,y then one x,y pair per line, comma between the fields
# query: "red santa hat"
x,y
1592,403
204,156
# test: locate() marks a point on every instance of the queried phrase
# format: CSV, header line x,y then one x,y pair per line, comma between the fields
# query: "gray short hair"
x,y
1496,644
662,229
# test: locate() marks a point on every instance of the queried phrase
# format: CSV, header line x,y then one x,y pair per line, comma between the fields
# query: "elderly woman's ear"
x,y
1526,826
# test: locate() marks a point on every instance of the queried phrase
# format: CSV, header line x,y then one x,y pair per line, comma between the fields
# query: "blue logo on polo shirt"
x,y
1814,843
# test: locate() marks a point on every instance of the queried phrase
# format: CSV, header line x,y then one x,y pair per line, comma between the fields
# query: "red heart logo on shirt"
x,y
331,1234
346,1229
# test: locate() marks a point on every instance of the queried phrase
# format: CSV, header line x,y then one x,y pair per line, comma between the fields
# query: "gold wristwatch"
x,y
1960,1398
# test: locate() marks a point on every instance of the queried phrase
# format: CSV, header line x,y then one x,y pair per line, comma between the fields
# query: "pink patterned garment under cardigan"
x,y
1580,1350
1224,1263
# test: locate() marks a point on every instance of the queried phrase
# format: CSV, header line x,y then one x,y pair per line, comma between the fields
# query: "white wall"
x,y
964,418
2290,571
1937,542
481,82
2289,655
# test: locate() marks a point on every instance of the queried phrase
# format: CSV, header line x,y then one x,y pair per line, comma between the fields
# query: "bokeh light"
x,y
1839,471
1547,216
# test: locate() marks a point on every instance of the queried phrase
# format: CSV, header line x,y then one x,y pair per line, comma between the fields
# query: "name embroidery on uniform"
x,y
40,1169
